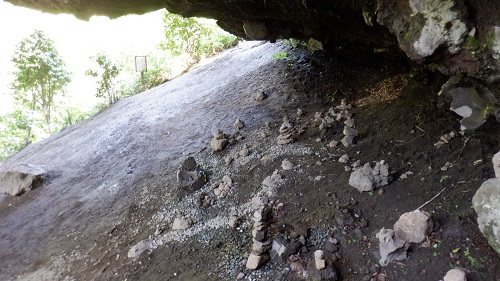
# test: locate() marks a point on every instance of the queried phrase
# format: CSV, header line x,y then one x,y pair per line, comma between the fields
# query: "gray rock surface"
x,y
455,274
413,227
190,176
486,203
21,178
391,247
367,178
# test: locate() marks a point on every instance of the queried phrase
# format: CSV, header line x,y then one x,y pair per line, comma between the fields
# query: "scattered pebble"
x,y
238,124
333,143
446,166
344,158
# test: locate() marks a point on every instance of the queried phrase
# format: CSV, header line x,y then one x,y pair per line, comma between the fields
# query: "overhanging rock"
x,y
456,37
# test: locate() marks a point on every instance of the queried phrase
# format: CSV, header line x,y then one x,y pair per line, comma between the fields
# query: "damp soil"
x,y
112,179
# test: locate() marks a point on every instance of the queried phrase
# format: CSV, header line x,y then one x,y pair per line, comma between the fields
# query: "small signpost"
x,y
141,65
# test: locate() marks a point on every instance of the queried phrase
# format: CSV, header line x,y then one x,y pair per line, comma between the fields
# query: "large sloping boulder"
x,y
21,178
486,203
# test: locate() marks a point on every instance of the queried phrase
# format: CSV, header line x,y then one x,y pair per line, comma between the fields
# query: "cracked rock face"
x,y
454,36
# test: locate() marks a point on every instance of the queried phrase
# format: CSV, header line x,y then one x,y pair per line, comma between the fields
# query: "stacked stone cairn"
x,y
261,243
287,132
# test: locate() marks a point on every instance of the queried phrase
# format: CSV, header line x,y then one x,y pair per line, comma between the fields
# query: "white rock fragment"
x,y
139,248
446,166
300,112
413,227
286,165
344,158
455,274
405,175
333,143
319,260
181,224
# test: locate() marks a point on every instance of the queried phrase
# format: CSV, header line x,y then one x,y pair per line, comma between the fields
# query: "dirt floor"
x,y
112,179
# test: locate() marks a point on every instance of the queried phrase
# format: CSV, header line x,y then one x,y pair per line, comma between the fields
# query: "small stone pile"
x,y
367,178
222,187
342,112
219,141
261,243
238,125
287,132
445,139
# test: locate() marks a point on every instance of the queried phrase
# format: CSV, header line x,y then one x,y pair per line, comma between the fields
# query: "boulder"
x,y
486,203
413,227
455,274
190,176
21,178
391,247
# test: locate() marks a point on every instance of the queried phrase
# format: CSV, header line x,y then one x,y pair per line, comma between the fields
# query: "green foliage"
x,y
281,56
15,132
107,71
294,43
40,73
191,36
